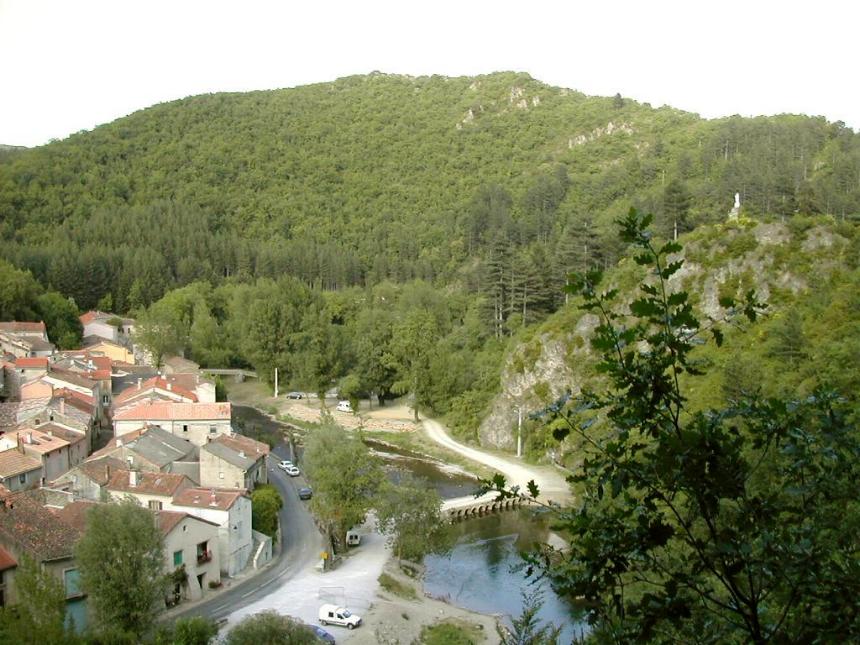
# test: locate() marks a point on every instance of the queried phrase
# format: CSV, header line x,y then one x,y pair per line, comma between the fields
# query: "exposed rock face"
x,y
540,371
595,134
531,388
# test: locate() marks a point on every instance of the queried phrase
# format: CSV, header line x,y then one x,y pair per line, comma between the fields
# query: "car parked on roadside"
x,y
344,406
292,471
284,464
295,395
305,493
334,615
322,634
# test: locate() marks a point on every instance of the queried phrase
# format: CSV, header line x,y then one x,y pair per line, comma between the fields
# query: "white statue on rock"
x,y
736,210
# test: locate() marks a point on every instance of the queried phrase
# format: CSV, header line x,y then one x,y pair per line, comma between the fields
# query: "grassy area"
x,y
395,586
451,632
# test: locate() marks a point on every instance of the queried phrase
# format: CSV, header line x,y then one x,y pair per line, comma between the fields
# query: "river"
x,y
483,570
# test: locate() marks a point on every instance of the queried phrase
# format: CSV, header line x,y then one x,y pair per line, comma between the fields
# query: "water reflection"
x,y
484,570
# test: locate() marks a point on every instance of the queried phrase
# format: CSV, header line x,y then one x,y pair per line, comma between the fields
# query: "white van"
x,y
334,615
344,406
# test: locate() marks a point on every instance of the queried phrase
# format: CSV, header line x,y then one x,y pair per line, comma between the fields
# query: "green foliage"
x,y
345,478
526,628
61,319
271,628
196,630
39,616
265,504
120,559
19,293
410,514
734,524
395,586
450,632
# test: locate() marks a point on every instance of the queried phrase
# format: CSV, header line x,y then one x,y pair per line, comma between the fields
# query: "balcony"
x,y
204,556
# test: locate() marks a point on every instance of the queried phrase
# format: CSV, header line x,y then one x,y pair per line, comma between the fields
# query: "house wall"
x,y
32,479
185,537
113,352
205,392
102,330
80,485
54,463
198,432
219,473
234,543
33,389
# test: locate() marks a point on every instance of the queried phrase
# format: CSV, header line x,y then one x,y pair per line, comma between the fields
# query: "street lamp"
x,y
519,432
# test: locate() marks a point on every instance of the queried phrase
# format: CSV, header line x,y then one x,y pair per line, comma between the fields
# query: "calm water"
x,y
397,460
482,572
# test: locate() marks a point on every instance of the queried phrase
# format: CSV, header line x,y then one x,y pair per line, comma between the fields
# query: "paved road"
x,y
301,546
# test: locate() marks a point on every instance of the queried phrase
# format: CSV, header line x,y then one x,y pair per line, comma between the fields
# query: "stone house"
x,y
152,490
231,511
28,528
196,422
89,480
19,471
233,461
191,542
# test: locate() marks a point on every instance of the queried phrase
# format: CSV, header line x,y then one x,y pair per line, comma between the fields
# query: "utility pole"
x,y
519,431
276,382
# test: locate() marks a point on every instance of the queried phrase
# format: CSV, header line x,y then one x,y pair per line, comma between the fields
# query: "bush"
x,y
393,585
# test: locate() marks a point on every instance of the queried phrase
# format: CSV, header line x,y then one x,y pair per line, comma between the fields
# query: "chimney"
x,y
107,471
119,442
62,406
169,386
19,440
139,383
132,478
28,438
242,454
213,499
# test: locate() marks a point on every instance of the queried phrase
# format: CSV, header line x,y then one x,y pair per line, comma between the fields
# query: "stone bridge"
x,y
465,507
238,375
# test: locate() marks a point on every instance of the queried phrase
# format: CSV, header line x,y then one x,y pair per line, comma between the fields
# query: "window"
x,y
185,428
177,558
220,475
72,582
105,399
212,429
22,478
154,505
203,553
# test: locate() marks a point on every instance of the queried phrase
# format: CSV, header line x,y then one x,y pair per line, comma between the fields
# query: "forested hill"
x,y
383,177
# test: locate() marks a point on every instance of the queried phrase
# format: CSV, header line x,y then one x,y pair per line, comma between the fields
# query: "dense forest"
x,y
379,228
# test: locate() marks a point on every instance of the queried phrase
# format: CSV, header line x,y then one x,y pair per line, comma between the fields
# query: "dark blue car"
x,y
322,634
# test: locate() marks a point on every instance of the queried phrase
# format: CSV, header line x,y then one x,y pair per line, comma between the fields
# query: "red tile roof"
x,y
6,560
168,411
16,326
156,382
34,529
75,513
55,430
37,441
27,362
74,378
237,442
101,470
90,316
165,484
215,498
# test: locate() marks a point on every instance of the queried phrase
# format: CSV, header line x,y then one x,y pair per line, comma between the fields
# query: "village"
x,y
101,423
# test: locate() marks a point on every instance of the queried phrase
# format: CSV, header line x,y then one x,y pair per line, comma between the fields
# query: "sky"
x,y
70,65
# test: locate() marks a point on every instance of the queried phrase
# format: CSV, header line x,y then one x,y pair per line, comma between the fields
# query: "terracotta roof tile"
x,y
27,362
156,382
92,315
167,411
101,470
6,560
14,462
75,513
34,440
34,529
238,442
18,327
166,484
217,498
71,377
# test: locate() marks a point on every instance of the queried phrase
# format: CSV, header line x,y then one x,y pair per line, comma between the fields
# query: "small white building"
x,y
231,511
190,542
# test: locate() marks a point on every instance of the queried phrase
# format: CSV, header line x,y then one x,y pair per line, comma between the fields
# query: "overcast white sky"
x,y
68,65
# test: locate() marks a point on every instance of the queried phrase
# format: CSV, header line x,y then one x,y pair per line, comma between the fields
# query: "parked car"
x,y
292,471
305,493
353,538
322,634
344,406
295,395
284,464
334,615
